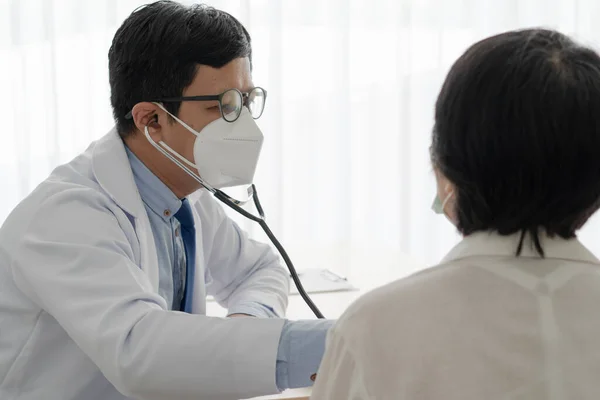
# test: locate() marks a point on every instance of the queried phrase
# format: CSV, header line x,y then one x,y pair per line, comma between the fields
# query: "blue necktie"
x,y
188,234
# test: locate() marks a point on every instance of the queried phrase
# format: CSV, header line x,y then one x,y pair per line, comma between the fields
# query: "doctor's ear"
x,y
146,114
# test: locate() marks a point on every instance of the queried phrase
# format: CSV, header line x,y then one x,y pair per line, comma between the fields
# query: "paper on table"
x,y
317,280
321,281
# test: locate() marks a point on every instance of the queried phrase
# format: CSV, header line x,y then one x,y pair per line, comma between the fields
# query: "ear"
x,y
146,114
444,186
446,191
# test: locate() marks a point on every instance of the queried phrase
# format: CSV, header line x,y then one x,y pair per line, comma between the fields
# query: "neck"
x,y
176,179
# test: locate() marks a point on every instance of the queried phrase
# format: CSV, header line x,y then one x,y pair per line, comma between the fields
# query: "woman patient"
x,y
513,311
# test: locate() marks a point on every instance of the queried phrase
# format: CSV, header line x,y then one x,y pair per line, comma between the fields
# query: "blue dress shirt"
x,y
302,343
161,206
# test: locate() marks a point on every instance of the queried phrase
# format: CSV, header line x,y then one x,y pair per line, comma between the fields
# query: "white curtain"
x,y
345,176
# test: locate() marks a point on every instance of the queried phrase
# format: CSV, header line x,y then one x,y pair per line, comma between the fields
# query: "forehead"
x,y
208,80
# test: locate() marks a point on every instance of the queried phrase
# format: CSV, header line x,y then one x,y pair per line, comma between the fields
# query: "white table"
x,y
377,272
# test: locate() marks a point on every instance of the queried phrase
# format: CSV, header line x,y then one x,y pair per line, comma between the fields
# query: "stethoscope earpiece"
x,y
153,123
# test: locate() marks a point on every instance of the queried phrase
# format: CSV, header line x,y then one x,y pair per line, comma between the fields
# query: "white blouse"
x,y
482,325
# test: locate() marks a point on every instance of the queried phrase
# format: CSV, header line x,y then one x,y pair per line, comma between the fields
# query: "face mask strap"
x,y
166,146
176,161
186,126
448,196
176,154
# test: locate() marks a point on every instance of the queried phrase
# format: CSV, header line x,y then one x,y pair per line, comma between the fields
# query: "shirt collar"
x,y
155,194
494,244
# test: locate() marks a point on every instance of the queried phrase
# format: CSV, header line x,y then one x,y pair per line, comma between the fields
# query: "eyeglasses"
x,y
230,102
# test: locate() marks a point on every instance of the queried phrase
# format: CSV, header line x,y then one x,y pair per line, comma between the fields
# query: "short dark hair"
x,y
156,52
517,131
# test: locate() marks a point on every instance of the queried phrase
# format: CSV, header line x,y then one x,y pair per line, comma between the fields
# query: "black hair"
x,y
156,52
517,131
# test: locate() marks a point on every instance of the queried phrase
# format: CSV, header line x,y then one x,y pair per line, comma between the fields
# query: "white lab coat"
x,y
80,314
481,325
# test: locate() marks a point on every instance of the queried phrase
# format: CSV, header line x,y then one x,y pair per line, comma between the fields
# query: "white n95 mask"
x,y
225,153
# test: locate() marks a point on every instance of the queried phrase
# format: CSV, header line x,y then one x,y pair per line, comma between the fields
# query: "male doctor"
x,y
105,267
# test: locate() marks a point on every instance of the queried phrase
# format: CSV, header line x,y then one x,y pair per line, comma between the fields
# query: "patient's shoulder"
x,y
416,300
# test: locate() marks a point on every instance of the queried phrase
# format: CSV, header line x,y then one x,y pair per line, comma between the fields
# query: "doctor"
x,y
105,267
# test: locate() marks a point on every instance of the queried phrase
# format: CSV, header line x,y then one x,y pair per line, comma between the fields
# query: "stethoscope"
x,y
236,205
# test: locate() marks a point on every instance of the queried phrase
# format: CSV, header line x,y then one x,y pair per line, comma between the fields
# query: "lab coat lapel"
x,y
113,172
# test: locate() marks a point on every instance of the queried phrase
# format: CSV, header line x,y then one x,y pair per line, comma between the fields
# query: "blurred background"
x,y
344,175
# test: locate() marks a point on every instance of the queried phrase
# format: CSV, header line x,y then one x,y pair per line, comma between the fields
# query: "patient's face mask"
x,y
225,153
438,205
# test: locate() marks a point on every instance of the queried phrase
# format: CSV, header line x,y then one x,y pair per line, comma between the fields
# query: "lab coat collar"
x,y
113,172
494,244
